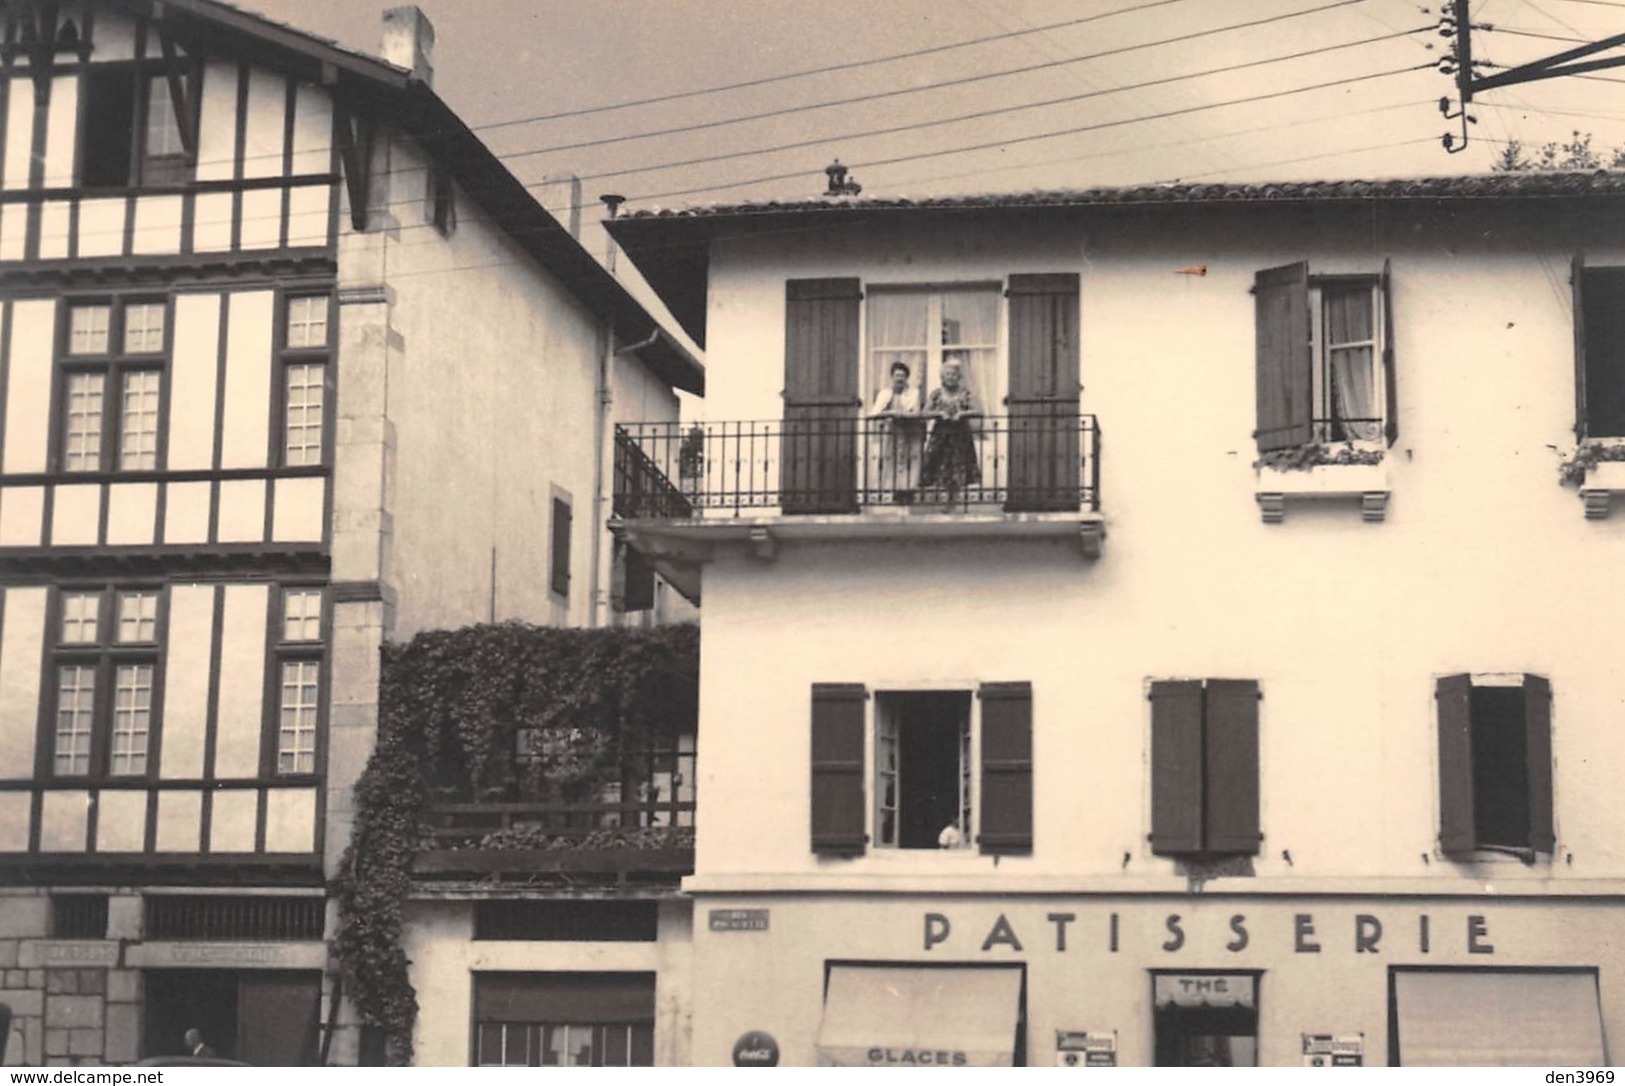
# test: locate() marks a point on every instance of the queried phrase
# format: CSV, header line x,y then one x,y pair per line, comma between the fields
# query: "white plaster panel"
x,y
28,395
245,431
186,681
267,117
13,231
312,130
14,811
121,821
114,38
54,229
64,820
76,514
290,820
22,516
242,511
297,517
231,823
22,640
211,222
157,224
308,216
194,368
19,132
61,128
132,513
217,135
180,821
186,513
101,227
238,714
262,219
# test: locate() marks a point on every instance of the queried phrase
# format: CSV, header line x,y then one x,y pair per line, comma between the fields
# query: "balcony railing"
x,y
1023,462
650,837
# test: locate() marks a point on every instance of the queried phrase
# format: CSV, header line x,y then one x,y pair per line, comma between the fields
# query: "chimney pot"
x,y
409,41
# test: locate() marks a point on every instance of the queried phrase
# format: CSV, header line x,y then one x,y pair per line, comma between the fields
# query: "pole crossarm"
x,y
1552,67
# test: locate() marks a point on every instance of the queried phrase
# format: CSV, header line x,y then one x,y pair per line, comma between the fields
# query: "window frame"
x,y
1541,817
115,366
105,657
969,742
282,651
288,357
142,169
873,377
1322,420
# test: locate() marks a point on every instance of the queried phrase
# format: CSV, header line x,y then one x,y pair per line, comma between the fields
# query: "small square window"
x,y
144,327
302,615
137,617
88,329
307,321
80,611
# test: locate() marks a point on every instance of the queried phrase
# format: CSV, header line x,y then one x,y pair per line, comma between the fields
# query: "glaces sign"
x,y
1364,933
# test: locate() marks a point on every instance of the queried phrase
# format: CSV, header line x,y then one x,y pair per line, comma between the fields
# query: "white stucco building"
x,y
1236,683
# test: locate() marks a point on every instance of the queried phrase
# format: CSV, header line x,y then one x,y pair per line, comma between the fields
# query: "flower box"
x,y
1366,483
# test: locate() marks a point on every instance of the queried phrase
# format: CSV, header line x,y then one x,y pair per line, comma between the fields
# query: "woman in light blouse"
x,y
900,434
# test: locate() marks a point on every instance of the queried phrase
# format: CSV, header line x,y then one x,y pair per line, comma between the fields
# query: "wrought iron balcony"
x,y
642,839
1038,461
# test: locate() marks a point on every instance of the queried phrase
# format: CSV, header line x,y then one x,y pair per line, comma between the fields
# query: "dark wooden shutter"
x,y
1537,721
838,791
1577,269
818,461
1454,694
1230,750
631,580
1176,767
559,577
1390,368
1285,357
1043,464
1601,374
1006,824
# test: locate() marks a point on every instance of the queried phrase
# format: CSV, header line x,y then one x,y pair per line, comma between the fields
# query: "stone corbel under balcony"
x,y
1604,479
1365,483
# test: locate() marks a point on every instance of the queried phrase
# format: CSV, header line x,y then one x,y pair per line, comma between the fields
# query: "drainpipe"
x,y
601,497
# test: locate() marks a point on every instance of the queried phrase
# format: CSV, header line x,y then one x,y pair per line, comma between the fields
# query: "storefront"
x,y
1211,980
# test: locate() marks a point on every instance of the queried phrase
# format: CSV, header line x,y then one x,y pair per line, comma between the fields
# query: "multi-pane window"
x,y
556,1019
106,662
299,675
304,379
112,386
515,1044
927,329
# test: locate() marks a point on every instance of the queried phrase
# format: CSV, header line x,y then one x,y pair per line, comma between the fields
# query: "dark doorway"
x,y
266,1018
181,999
1207,1037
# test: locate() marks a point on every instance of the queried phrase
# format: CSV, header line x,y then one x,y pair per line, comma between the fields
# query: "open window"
x,y
1325,369
1599,351
139,126
939,769
1495,765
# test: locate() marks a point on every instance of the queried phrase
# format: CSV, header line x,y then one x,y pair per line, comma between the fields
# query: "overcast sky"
x,y
508,60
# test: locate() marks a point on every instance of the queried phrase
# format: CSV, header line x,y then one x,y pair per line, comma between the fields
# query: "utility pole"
x,y
1455,23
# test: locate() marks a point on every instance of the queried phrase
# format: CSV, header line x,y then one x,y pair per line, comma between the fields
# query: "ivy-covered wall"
x,y
453,708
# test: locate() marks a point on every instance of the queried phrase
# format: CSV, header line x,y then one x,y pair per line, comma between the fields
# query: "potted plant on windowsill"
x,y
1319,468
1596,464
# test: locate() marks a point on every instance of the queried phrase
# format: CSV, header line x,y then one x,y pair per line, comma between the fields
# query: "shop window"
x,y
1325,369
564,1019
1206,1019
1204,767
1504,1017
78,916
1495,765
919,781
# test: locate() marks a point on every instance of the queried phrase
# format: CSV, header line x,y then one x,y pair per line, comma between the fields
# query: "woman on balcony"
x,y
951,459
900,435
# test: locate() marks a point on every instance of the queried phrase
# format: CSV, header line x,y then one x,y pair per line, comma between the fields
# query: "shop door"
x,y
278,1018
1206,1019
177,1000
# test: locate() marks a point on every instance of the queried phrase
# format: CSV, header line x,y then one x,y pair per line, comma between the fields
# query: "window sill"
x,y
1603,480
1366,482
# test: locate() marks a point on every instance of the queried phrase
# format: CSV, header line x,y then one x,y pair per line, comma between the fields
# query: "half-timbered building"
x,y
290,365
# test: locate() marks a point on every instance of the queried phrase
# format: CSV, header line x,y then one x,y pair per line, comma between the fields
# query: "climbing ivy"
x,y
451,706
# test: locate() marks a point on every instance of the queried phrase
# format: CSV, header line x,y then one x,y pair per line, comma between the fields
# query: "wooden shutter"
x,y
1390,375
1577,270
818,451
631,580
837,769
1285,357
1454,694
1176,767
1537,722
1230,750
1043,392
1600,375
1006,824
560,571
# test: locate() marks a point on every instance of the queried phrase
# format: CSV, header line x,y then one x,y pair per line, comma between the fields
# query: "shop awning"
x,y
1504,1018
1204,990
899,1016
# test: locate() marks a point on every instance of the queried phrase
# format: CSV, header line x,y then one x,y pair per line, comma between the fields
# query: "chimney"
x,y
409,41
561,195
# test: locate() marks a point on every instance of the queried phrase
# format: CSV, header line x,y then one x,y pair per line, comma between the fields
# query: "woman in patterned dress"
x,y
951,458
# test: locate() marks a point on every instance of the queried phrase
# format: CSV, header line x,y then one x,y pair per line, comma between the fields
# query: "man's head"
x,y
193,1038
